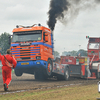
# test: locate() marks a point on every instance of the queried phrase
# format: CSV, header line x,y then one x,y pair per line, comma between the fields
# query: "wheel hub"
x,y
49,67
67,74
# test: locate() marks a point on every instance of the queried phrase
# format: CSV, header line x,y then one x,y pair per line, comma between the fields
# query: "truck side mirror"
x,y
46,34
9,39
46,38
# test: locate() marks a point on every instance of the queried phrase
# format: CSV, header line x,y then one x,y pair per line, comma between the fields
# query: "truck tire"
x,y
49,68
36,75
18,73
66,74
98,75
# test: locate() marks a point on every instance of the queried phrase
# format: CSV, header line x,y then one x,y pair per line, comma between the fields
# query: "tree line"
x,y
4,42
80,52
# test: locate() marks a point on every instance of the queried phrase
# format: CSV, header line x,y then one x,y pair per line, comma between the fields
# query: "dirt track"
x,y
27,82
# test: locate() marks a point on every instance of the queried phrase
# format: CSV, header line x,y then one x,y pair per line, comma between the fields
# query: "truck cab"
x,y
93,49
93,52
32,47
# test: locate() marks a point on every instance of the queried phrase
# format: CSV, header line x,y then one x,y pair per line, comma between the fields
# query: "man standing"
x,y
6,70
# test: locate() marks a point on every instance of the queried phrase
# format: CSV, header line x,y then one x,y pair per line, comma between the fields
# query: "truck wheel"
x,y
18,73
36,75
98,75
49,68
66,74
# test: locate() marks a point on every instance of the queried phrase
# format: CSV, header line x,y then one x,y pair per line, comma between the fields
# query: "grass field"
x,y
79,92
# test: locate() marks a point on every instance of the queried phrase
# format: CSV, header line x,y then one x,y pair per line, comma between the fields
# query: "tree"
x,y
73,53
56,54
65,53
4,42
82,52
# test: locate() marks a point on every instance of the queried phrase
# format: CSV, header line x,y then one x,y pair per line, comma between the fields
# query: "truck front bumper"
x,y
31,64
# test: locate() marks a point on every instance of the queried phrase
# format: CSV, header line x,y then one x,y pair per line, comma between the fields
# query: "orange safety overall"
x,y
6,71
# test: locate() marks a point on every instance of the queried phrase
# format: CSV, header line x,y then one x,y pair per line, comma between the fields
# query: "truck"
x,y
93,52
33,48
74,66
85,67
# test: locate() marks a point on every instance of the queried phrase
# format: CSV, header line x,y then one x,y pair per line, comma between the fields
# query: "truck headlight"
x,y
18,59
32,58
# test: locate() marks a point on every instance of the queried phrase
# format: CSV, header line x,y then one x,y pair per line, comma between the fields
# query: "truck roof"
x,y
94,39
30,28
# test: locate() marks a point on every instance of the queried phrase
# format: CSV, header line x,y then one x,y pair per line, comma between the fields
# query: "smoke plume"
x,y
57,7
67,10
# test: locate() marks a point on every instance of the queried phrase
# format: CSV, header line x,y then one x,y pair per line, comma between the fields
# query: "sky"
x,y
67,37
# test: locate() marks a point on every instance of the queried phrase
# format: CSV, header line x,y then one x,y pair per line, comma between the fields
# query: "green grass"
x,y
88,92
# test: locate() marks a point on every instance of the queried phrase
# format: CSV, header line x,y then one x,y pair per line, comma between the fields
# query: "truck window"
x,y
27,36
43,36
94,46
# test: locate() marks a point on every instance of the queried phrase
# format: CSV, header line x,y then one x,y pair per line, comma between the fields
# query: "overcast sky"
x,y
71,36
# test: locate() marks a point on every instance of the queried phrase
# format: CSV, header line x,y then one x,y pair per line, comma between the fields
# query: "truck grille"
x,y
26,52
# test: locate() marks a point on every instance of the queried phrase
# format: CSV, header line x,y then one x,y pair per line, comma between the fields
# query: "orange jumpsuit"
x,y
6,71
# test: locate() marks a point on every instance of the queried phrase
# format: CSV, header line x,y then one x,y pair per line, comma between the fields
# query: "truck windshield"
x,y
27,36
94,46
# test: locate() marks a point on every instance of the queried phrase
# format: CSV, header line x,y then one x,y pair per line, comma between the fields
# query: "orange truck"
x,y
32,47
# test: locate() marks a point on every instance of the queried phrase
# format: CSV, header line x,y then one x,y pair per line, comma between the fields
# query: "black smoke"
x,y
67,10
57,8
97,1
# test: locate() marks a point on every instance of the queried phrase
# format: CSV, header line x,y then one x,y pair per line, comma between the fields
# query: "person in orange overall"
x,y
6,71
